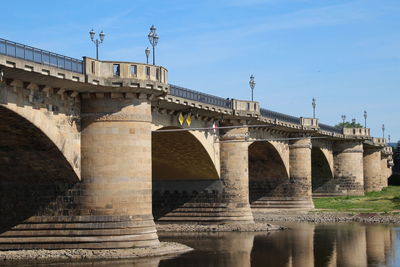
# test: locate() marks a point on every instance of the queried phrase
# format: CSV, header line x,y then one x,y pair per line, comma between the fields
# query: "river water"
x,y
303,245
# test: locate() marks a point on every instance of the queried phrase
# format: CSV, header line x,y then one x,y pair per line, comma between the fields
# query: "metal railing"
x,y
329,128
40,56
227,103
200,97
279,116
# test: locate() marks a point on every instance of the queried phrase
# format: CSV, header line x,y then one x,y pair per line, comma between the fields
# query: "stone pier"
x,y
372,169
348,167
300,172
384,172
116,171
235,175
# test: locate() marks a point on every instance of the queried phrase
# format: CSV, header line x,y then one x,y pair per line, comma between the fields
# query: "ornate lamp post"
x,y
252,84
365,119
343,119
97,42
147,52
153,39
383,130
314,104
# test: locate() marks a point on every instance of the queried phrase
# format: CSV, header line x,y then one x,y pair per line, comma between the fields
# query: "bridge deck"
x,y
77,81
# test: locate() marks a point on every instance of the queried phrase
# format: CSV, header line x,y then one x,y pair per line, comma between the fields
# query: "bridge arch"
x,y
35,175
267,171
180,155
321,172
182,171
59,126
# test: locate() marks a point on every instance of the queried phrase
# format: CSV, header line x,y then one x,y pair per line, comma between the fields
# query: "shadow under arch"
x,y
182,172
35,176
180,155
321,172
266,171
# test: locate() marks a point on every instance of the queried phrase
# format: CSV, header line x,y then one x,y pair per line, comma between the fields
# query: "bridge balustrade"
x,y
280,116
16,50
200,97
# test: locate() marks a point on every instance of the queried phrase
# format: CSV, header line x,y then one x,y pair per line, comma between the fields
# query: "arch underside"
x,y
267,173
322,178
35,177
183,174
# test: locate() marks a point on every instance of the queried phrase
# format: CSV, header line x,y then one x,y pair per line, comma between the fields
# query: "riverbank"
x,y
385,201
239,227
66,255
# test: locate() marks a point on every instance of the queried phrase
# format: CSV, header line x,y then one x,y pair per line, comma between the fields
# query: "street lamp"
x,y
314,104
252,84
343,119
153,39
383,130
97,42
147,52
365,119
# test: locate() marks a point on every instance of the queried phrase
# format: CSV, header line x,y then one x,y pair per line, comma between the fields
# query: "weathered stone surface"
x,y
235,174
384,172
300,170
348,167
372,169
111,206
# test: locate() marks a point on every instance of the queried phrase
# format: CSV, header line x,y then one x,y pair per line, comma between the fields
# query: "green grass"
x,y
387,200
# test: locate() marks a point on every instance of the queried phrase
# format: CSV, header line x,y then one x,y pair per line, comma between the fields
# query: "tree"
x,y
348,124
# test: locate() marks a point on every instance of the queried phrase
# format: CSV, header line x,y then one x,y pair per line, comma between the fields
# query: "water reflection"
x,y
212,249
333,245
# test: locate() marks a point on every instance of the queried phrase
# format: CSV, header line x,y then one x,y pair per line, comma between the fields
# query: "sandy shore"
x,y
182,227
66,255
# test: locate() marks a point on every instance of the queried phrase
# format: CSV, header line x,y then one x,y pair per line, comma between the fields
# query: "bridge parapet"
x,y
357,132
183,96
330,130
379,141
21,60
309,123
39,56
280,119
387,150
47,71
125,74
246,108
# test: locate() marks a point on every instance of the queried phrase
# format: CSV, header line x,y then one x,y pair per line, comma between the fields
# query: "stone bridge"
x,y
93,151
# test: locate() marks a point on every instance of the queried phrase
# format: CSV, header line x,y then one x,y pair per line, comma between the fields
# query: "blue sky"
x,y
346,54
